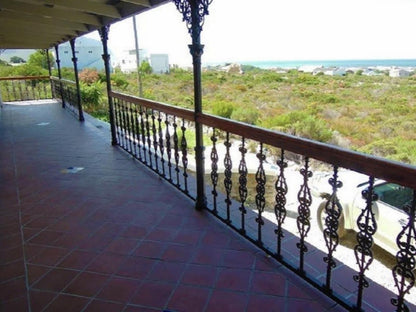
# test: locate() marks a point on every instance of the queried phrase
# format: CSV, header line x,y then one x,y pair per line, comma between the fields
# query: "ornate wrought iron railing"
x,y
256,194
25,88
66,91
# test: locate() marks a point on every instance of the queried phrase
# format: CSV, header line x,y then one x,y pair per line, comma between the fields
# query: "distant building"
x,y
127,60
399,72
88,52
159,63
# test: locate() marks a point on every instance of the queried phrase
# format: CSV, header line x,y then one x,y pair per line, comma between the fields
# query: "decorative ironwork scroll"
x,y
403,271
143,134
149,143
228,183
137,131
333,210
280,198
155,143
303,220
214,170
367,226
168,148
260,192
242,184
161,144
184,149
176,150
194,22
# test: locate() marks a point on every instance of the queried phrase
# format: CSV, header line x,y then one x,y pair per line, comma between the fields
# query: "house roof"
x,y
41,24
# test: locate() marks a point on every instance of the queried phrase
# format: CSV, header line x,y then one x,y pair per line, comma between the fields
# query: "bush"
x,y
119,81
245,114
91,94
88,76
223,109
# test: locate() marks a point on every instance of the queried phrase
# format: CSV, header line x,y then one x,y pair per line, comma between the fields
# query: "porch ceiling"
x,y
41,24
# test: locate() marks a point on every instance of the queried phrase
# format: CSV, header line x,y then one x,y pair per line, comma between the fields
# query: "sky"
x,y
280,30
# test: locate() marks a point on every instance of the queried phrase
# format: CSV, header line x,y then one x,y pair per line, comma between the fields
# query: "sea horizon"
x,y
287,64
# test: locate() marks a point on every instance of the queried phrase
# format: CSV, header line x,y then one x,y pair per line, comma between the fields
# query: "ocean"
x,y
333,63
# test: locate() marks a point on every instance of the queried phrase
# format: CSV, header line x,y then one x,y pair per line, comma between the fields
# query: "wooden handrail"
x,y
166,108
24,78
378,167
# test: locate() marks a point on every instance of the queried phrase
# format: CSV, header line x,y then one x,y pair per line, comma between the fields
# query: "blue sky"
x,y
238,30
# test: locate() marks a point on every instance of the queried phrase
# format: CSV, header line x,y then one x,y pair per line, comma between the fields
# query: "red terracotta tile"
x,y
258,302
35,272
49,256
238,259
12,289
178,253
150,249
200,275
96,242
77,259
216,239
208,255
234,279
29,233
103,306
134,231
55,280
298,305
188,237
163,235
12,270
269,283
121,245
187,298
40,222
119,289
40,299
131,308
227,301
67,303
70,240
19,304
136,267
153,294
106,263
266,263
10,241
87,284
167,271
11,255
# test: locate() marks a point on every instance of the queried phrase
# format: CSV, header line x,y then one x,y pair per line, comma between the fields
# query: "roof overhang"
x,y
41,24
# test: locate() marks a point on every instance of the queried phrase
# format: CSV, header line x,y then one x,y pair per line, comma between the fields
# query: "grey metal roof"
x,y
40,24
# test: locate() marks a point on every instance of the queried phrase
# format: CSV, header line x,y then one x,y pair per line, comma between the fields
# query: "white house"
x,y
127,60
159,63
335,71
399,72
88,52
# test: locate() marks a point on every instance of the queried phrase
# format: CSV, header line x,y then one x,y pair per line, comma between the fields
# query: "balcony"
x,y
89,226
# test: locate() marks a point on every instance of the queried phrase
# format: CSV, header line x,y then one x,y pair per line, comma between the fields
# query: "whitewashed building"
x,y
88,51
159,63
399,72
127,60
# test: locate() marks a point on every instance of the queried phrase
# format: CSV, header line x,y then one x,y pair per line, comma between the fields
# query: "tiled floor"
x,y
115,237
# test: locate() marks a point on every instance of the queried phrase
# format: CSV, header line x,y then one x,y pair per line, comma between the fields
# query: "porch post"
x,y
106,58
58,64
49,70
193,12
74,60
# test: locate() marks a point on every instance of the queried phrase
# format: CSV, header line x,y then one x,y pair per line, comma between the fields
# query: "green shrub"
x,y
88,76
245,114
91,94
223,109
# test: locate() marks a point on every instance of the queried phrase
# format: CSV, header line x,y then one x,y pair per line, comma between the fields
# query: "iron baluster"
x,y
333,210
302,221
214,170
155,143
228,183
129,127
280,199
137,130
161,144
260,192
116,120
242,184
168,147
403,271
133,129
184,149
176,150
125,128
143,134
367,226
149,143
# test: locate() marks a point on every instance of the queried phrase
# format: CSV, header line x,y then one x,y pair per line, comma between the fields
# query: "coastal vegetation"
x,y
371,114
